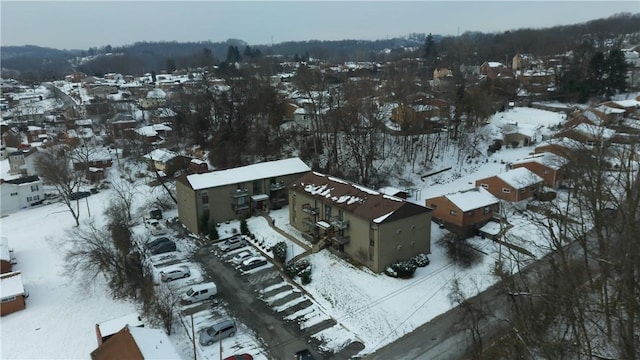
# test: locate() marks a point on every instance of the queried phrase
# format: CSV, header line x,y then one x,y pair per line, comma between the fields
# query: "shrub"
x,y
305,276
213,231
421,260
292,269
244,228
390,272
459,250
279,251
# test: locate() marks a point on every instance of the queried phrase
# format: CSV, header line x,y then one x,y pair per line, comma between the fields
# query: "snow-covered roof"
x,y
628,103
152,130
247,173
547,159
494,64
4,249
153,343
390,190
156,94
520,178
11,285
491,228
598,132
474,198
160,155
356,199
83,122
112,326
609,110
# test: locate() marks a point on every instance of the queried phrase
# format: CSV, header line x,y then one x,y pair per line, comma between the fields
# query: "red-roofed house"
x,y
135,343
12,293
550,167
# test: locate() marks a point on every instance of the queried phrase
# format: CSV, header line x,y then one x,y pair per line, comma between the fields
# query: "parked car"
x,y
253,262
175,273
243,255
304,355
158,241
79,195
239,357
155,227
215,332
232,243
163,248
199,292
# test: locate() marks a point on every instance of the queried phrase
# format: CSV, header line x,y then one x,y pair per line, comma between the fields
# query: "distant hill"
x,y
46,63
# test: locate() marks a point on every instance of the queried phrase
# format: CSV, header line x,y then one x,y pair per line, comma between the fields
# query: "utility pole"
x,y
193,338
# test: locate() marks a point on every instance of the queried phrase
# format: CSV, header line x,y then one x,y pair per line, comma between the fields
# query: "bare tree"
x,y
160,308
55,168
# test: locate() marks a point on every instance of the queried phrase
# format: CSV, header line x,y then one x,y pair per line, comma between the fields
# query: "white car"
x,y
243,255
232,243
253,262
155,227
175,273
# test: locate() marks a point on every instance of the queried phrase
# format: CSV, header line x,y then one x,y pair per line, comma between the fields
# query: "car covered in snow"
x,y
155,227
174,273
243,255
232,243
253,262
211,334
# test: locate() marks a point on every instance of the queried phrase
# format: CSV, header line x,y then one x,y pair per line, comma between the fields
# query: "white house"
x,y
20,193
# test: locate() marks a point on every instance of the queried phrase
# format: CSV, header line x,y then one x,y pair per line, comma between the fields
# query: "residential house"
x,y
391,191
107,329
36,134
90,159
513,185
22,162
121,126
197,166
163,115
233,193
12,293
493,70
136,343
153,133
591,135
167,162
20,193
464,212
374,229
414,116
561,146
550,167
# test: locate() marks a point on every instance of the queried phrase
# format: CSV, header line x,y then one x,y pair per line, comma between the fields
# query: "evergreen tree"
x,y
204,223
616,73
213,231
244,228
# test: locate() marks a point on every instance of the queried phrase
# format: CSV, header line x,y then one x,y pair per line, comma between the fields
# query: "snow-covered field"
x,y
372,308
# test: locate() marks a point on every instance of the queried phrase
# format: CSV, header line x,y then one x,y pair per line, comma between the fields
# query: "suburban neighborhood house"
x,y
135,343
12,293
106,329
234,193
20,193
464,212
374,229
548,166
513,185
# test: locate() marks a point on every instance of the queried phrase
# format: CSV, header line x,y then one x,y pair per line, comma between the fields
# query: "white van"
x,y
200,292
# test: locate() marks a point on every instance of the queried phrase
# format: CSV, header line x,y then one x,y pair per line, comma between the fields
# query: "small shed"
x,y
12,293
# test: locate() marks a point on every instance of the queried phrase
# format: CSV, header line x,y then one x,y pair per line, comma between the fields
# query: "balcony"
x,y
309,223
279,185
240,207
339,240
309,210
339,224
238,193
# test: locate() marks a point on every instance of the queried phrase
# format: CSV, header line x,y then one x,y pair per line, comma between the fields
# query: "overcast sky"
x,y
84,24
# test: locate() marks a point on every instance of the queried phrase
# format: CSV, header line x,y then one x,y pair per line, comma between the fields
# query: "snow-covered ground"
x,y
372,308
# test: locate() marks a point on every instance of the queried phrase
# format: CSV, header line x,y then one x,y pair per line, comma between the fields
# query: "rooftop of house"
x,y
356,199
471,199
520,178
598,132
112,326
247,173
153,343
160,155
549,160
11,284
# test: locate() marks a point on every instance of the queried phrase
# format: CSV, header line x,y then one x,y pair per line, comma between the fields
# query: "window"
x,y
204,195
433,206
34,188
14,194
340,215
469,213
9,299
372,242
453,212
484,186
486,210
327,212
205,206
506,191
523,190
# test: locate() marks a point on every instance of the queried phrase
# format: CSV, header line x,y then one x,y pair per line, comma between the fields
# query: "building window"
x,y
433,206
9,299
204,196
34,188
484,186
372,242
205,206
453,212
327,212
506,191
486,210
469,213
522,190
14,194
